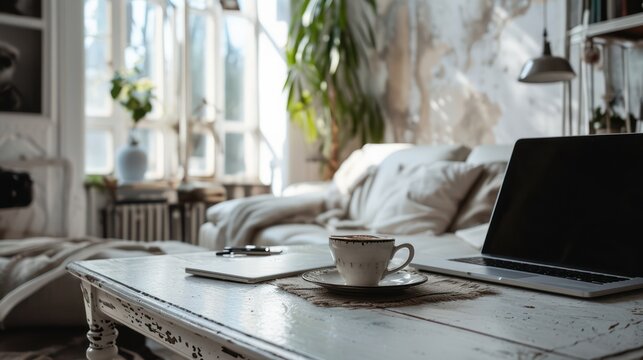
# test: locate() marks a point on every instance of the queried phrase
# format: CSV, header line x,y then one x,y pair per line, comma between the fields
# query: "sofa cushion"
x,y
358,162
478,205
427,199
490,153
300,234
292,234
392,169
444,246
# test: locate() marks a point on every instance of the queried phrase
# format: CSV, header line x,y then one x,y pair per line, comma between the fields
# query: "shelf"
x,y
22,21
628,28
625,32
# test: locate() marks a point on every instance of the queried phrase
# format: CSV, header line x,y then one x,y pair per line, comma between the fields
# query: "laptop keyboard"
x,y
543,270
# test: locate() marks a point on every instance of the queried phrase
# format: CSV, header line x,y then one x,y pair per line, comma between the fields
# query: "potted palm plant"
x,y
328,46
135,93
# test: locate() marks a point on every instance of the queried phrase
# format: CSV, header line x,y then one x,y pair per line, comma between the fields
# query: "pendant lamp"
x,y
546,68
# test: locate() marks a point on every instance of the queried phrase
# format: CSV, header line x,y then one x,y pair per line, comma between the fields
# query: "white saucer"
x,y
331,280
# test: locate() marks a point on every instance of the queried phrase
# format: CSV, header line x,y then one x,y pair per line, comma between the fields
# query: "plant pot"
x,y
131,162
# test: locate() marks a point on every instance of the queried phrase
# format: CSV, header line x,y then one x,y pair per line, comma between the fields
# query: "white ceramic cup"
x,y
362,260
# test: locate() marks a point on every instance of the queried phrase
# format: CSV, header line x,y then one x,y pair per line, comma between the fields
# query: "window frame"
x,y
196,124
249,128
118,122
216,126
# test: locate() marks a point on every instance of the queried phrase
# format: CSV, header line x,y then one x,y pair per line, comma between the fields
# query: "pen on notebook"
x,y
248,250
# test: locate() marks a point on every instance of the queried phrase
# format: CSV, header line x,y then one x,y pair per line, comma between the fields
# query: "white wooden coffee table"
x,y
209,319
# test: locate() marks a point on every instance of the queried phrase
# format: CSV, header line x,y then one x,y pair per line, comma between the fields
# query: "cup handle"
x,y
396,249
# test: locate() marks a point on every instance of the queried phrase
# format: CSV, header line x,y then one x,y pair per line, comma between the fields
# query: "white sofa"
x,y
376,190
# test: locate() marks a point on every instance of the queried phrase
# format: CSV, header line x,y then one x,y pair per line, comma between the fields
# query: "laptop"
x,y
252,269
568,219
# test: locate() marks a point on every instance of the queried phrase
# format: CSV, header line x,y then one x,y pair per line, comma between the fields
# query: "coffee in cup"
x,y
362,260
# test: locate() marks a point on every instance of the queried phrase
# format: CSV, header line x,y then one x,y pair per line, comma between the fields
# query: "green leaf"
x,y
325,56
133,92
116,90
138,114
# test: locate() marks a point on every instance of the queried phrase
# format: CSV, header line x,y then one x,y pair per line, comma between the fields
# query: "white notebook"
x,y
253,269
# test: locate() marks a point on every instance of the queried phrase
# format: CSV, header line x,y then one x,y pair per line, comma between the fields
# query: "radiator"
x,y
154,221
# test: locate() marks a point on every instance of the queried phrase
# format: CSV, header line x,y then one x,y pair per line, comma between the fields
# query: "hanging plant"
x,y
327,48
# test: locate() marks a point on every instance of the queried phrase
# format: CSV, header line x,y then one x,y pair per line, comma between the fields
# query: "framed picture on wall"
x,y
20,69
31,8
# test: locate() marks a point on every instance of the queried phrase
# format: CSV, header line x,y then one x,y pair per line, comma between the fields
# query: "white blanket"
x,y
237,221
413,201
26,265
240,219
395,200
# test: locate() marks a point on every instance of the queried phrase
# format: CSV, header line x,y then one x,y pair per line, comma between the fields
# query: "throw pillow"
x,y
477,207
391,175
429,200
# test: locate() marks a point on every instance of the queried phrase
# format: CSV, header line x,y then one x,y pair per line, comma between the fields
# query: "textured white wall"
x,y
446,70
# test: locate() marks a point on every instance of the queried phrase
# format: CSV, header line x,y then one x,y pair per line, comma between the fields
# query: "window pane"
x,y
234,154
200,4
242,5
237,36
99,150
273,120
97,17
171,75
151,141
202,155
274,16
202,66
98,57
145,46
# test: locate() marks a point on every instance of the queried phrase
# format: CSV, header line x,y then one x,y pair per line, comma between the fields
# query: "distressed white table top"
x,y
269,322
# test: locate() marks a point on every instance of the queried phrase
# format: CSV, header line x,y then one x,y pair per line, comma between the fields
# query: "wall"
x,y
446,71
71,106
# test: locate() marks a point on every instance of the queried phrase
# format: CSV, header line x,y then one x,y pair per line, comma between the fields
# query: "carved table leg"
x,y
102,330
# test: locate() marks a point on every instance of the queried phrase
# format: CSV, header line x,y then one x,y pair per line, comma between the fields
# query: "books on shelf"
x,y
603,10
208,192
146,191
163,191
575,12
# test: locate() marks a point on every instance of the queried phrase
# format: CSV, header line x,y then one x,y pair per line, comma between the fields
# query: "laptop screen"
x,y
574,202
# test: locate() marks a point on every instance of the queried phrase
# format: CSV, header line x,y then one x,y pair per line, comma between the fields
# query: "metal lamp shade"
x,y
546,68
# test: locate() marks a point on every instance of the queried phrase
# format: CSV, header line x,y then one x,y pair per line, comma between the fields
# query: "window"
x,y
272,21
216,95
238,56
202,81
123,34
99,141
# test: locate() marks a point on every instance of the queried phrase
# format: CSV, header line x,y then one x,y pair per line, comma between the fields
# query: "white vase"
x,y
131,162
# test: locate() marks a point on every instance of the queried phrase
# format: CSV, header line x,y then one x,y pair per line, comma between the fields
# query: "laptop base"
x,y
525,280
